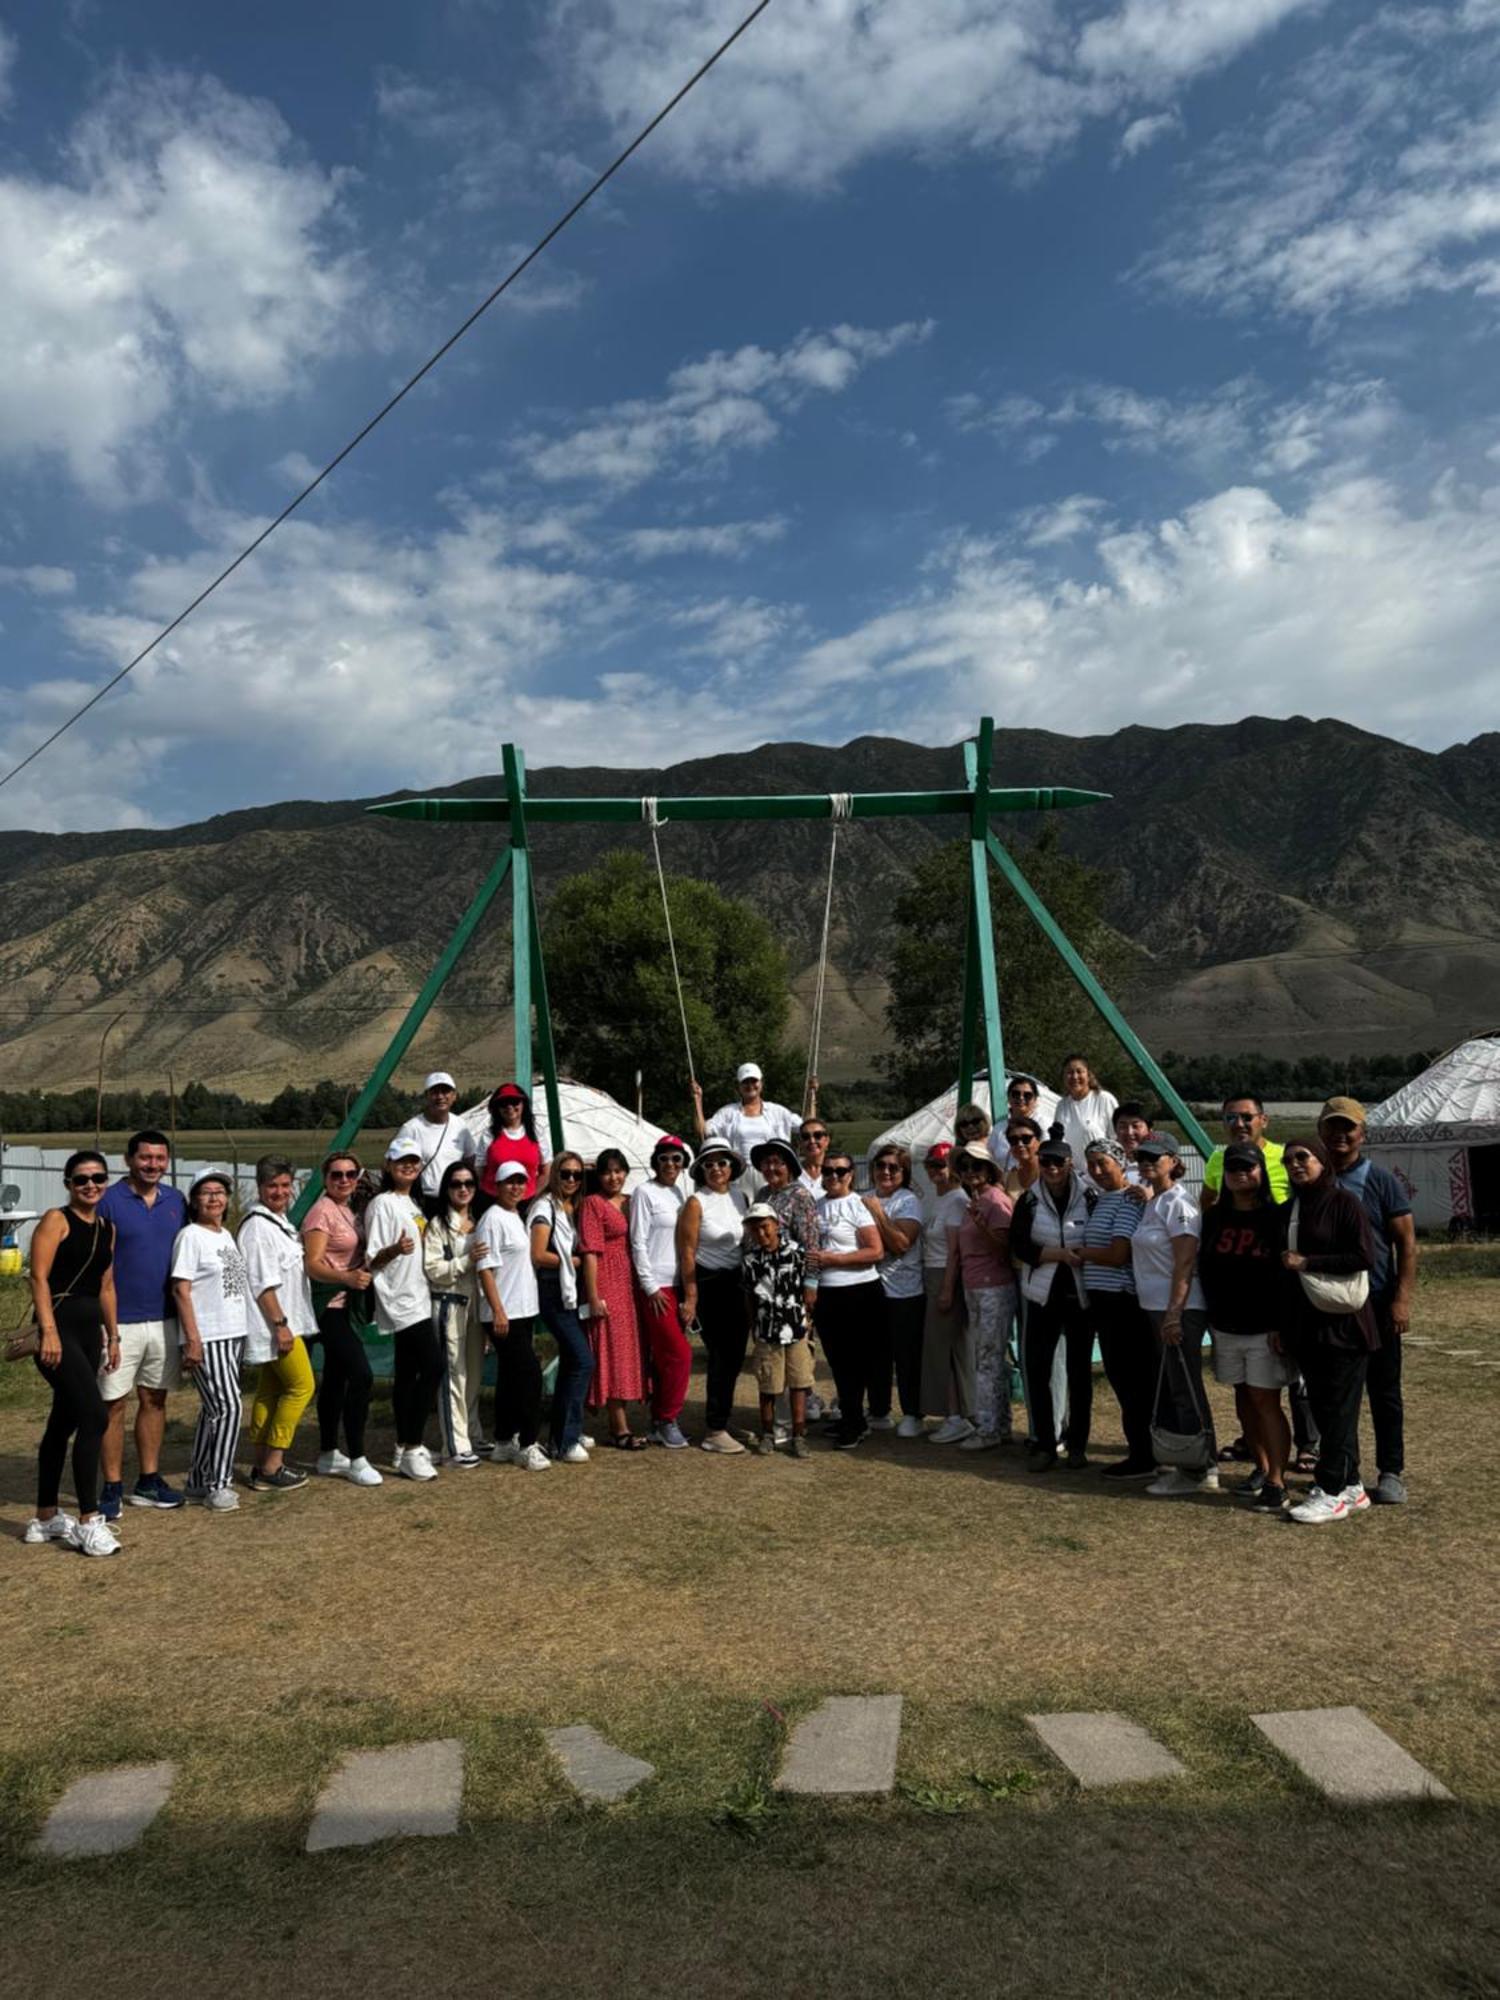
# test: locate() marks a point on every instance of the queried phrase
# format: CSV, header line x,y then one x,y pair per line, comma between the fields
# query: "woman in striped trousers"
x,y
213,1299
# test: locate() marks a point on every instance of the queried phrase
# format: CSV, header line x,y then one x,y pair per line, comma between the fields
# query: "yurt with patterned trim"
x,y
1440,1136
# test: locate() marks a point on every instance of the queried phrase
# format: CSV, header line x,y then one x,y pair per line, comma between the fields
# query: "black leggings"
x,y
904,1321
78,1410
518,1383
344,1392
726,1335
419,1366
1060,1318
845,1316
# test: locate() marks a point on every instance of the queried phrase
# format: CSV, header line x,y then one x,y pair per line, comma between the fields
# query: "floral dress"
x,y
619,1352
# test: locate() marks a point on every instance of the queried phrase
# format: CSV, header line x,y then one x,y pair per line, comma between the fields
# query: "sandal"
x,y
1305,1461
628,1441
1236,1453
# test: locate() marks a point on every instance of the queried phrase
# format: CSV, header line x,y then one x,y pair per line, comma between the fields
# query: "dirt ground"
x,y
691,1608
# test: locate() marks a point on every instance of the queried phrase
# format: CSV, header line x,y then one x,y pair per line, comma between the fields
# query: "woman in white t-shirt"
x,y
1085,1110
1164,1264
212,1293
849,1300
947,1351
897,1213
394,1226
508,1305
282,1322
710,1251
553,1225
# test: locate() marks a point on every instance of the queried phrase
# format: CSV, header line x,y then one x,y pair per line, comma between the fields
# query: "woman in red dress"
x,y
614,1331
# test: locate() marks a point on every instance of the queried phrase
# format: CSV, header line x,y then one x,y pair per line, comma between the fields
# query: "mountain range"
x,y
1294,886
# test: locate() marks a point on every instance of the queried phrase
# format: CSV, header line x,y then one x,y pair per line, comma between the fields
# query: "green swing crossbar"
x,y
977,800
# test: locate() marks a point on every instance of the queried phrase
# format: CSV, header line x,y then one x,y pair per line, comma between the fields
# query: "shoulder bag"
x,y
1189,1451
22,1344
1336,1295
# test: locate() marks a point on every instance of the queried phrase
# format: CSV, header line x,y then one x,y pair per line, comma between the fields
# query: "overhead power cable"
x,y
405,390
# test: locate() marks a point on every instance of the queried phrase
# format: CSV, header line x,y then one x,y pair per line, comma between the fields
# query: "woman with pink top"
x,y
333,1245
980,1255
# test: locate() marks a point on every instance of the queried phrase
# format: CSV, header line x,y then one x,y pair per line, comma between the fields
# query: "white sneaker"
x,y
832,1414
911,1427
61,1528
781,1434
1319,1507
533,1459
416,1463
505,1451
95,1539
979,1441
1209,1483
461,1458
952,1430
585,1440
333,1465
221,1500
362,1473
574,1455
1173,1485
722,1442
1355,1498
814,1406
885,1423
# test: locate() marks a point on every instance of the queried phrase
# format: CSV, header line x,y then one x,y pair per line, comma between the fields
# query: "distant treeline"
x,y
321,1107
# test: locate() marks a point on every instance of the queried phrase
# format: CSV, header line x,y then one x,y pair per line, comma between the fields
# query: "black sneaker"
x,y
1041,1461
1251,1488
849,1441
284,1481
1270,1500
1128,1468
1078,1461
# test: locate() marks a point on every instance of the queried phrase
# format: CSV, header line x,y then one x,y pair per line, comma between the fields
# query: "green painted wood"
x,y
984,923
792,805
522,902
401,1041
1126,1035
969,1017
546,1047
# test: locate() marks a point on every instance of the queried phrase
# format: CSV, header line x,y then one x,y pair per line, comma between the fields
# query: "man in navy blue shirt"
x,y
1393,1233
147,1213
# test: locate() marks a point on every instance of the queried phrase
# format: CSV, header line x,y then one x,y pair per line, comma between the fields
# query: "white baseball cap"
x,y
747,1070
440,1079
510,1170
403,1149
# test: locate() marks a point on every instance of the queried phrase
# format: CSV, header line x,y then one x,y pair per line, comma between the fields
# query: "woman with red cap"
x,y
513,1136
655,1208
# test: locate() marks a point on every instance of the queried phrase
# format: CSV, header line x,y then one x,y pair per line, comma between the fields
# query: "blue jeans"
x,y
575,1363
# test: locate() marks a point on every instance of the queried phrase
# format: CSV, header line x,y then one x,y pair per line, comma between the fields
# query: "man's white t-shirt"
x,y
210,1259
438,1146
840,1219
733,1124
402,1297
506,1250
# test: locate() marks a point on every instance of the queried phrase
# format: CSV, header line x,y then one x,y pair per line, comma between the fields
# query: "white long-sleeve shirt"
x,y
654,1210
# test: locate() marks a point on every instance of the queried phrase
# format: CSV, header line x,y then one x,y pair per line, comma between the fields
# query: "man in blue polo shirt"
x,y
147,1213
1393,1234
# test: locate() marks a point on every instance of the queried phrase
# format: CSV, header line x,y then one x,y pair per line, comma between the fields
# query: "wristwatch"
x,y
278,1324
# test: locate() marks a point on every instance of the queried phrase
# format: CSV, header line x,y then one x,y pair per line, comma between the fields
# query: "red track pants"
x,y
671,1356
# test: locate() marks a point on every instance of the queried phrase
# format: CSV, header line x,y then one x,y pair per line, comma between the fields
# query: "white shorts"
x,y
150,1358
1247,1358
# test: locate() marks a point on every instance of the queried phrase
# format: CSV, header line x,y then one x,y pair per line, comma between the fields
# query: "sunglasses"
x,y
90,1180
887,1167
812,1136
566,1174
1026,1096
1022,1139
348,1174
842,1172
1240,1117
969,1124
1299,1159
460,1183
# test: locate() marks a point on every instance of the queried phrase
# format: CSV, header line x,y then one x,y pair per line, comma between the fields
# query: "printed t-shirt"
x,y
840,1219
437,1145
1169,1215
1382,1198
940,1214
902,1276
985,1264
402,1298
776,1281
1239,1265
210,1259
1276,1174
343,1230
507,1252
145,1239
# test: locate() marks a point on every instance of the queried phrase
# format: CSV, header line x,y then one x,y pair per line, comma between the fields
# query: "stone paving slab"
x,y
595,1768
107,1811
415,1789
1102,1748
1347,1757
847,1746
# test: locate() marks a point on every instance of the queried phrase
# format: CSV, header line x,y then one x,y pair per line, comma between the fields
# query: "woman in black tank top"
x,y
73,1291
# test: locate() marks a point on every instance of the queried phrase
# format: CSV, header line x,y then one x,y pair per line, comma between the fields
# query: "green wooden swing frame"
x,y
976,801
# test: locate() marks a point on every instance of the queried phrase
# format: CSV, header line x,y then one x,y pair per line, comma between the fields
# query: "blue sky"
x,y
1083,361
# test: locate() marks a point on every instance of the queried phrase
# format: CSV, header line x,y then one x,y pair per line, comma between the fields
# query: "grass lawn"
x,y
691,1609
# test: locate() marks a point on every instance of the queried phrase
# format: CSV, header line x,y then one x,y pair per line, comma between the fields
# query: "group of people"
x,y
1031,1247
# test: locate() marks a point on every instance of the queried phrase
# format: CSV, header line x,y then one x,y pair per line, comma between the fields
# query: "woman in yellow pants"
x,y
280,1323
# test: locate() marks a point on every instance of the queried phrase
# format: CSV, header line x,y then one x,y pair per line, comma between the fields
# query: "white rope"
x,y
654,822
840,806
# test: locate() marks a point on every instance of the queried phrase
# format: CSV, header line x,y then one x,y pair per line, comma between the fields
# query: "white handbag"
x,y
1330,1295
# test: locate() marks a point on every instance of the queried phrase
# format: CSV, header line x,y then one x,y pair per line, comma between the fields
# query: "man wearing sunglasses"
x,y
436,1136
1244,1118
147,1212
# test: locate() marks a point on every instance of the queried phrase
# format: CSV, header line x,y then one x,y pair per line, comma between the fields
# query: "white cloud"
x,y
41,579
732,539
817,86
725,402
1063,521
1142,133
185,249
1375,180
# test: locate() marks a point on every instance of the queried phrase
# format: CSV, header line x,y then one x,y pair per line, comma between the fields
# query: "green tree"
x,y
1044,1014
609,979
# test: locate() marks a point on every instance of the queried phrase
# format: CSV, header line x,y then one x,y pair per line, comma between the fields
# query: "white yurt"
x,y
592,1120
921,1129
1440,1136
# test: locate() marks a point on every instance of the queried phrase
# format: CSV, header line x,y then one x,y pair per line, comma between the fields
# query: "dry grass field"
x,y
691,1609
